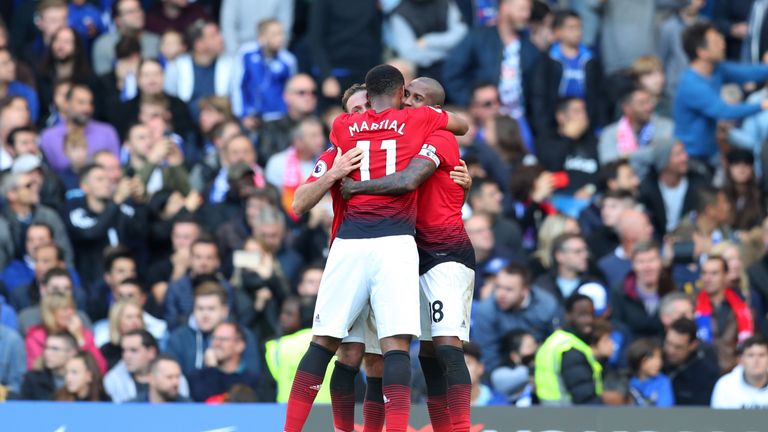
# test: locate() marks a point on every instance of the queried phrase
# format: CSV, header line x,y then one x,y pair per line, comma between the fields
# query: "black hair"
x,y
111,256
695,37
56,272
512,341
686,327
752,341
66,337
564,103
639,351
11,139
41,225
576,297
383,80
147,340
722,261
705,197
127,46
472,350
561,16
515,269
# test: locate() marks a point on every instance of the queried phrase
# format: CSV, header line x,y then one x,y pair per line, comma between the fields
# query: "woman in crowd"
x,y
59,315
742,190
124,316
551,228
82,381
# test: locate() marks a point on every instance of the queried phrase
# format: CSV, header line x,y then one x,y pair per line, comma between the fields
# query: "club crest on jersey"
x,y
320,168
386,124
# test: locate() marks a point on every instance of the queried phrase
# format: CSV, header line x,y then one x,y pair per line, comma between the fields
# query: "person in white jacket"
x,y
206,70
746,386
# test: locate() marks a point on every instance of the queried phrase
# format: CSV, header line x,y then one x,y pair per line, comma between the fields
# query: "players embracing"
x,y
374,260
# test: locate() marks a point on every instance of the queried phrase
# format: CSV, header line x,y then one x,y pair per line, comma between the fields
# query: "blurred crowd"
x,y
150,151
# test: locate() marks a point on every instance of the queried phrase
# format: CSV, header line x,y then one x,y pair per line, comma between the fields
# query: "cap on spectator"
x,y
495,265
238,171
598,294
662,148
738,155
26,163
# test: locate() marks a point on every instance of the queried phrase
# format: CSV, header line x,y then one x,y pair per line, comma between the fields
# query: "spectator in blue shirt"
x,y
648,387
261,72
85,18
698,106
9,86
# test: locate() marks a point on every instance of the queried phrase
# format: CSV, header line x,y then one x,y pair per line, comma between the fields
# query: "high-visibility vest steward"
x,y
550,387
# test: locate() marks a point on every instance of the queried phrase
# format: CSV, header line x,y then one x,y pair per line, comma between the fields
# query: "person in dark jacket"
x,y
572,148
569,70
479,57
603,238
758,285
107,215
188,344
570,263
669,191
42,384
224,365
514,304
691,365
635,302
566,370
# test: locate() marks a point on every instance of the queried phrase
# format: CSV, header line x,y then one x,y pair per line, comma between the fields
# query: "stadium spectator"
x,y
14,360
85,18
618,20
42,383
175,15
481,394
602,237
59,315
749,31
124,316
54,112
711,219
722,317
66,58
132,289
20,272
129,379
746,387
184,230
79,112
128,17
188,343
300,96
736,277
426,42
106,215
51,16
157,163
758,282
674,306
569,70
690,364
485,198
554,225
240,18
164,382
224,365
670,41
11,86
514,304
638,128
119,84
172,45
571,148
700,87
50,278
635,302
487,252
261,72
14,113
212,111
569,270
82,380
648,387
753,131
513,377
203,261
566,372
483,105
743,191
118,266
203,72
24,143
633,227
531,189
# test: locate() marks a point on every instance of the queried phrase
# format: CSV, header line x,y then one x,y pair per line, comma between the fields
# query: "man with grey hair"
x,y
271,230
674,306
21,191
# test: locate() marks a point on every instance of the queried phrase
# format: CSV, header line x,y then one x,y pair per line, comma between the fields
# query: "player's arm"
x,y
460,176
408,180
456,125
310,193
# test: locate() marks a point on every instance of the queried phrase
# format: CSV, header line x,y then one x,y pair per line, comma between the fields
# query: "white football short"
x,y
364,331
446,300
382,272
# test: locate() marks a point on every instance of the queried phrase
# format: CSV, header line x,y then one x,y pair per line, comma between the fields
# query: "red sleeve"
x,y
441,148
432,118
323,164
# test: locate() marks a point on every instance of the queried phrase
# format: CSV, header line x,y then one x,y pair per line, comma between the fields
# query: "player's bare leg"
x,y
309,378
373,407
396,382
350,356
452,381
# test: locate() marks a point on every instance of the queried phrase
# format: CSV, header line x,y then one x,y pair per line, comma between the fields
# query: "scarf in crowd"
x,y
292,179
626,139
740,310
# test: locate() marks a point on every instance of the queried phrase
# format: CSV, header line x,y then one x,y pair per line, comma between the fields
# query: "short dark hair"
x,y
721,260
481,85
561,16
56,272
67,338
559,242
640,350
618,194
239,332
628,95
206,239
11,139
57,248
77,86
348,93
515,269
645,246
512,341
564,103
133,281
752,341
705,197
685,326
383,80
86,170
195,31
477,187
576,297
147,340
127,46
41,224
539,11
111,256
161,358
695,37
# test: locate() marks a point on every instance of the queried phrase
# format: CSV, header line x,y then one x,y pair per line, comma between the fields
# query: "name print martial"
x,y
382,125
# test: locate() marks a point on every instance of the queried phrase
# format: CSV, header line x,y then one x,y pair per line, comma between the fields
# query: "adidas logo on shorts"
x,y
317,318
463,324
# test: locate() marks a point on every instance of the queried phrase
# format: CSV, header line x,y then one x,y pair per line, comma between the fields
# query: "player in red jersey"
x,y
373,258
446,261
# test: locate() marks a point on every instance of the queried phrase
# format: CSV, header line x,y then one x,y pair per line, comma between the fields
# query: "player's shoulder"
x,y
426,110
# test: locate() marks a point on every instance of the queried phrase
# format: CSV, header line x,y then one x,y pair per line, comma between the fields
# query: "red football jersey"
x,y
389,140
339,204
440,233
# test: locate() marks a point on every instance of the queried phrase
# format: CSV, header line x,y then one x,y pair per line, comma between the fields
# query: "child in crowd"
x,y
171,46
513,379
647,385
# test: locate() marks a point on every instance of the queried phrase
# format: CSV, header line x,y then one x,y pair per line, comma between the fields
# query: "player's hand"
x,y
460,175
347,188
346,163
